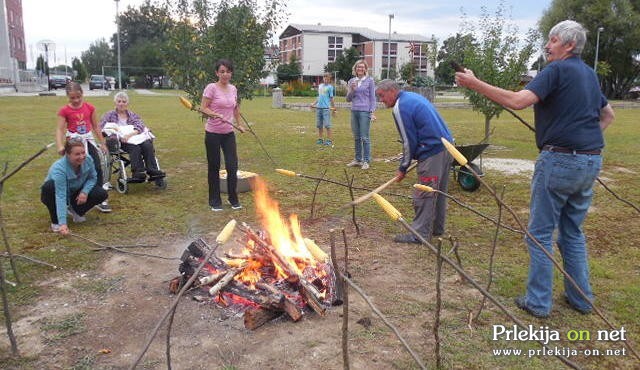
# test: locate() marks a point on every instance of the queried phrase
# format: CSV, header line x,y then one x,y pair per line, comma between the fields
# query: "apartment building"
x,y
13,51
316,45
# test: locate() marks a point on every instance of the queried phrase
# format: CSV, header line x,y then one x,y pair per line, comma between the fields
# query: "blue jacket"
x,y
67,182
420,126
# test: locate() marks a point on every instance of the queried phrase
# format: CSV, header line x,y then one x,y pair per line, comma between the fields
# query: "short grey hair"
x,y
121,95
387,84
570,31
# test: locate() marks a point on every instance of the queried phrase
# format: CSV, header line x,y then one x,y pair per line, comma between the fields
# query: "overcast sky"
x,y
73,24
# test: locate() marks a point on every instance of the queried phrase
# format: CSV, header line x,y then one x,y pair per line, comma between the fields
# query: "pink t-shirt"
x,y
223,103
78,119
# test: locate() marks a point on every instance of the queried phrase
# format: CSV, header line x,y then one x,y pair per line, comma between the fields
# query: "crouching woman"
x,y
71,186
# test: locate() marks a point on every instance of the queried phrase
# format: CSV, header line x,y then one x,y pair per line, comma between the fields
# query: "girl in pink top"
x,y
220,103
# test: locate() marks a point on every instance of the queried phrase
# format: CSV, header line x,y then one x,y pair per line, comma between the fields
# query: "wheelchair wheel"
x,y
122,185
466,179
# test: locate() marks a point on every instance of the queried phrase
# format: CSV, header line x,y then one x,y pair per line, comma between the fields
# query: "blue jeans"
x,y
561,192
360,124
323,118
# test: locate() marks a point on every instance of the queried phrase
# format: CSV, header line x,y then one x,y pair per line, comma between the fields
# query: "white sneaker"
x,y
76,217
354,163
55,228
365,165
107,186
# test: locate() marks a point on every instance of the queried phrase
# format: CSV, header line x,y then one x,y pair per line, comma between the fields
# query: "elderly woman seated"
x,y
71,186
136,138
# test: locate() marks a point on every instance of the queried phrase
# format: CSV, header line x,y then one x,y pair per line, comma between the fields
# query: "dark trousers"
x,y
213,143
141,155
96,196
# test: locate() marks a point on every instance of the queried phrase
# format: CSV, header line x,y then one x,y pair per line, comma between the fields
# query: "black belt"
x,y
559,149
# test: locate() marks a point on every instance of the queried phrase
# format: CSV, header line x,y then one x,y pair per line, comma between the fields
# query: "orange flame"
x,y
285,236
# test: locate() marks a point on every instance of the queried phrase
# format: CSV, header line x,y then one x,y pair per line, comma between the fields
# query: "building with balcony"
x,y
316,45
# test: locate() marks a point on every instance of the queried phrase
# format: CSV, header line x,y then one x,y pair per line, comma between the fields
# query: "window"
x,y
335,42
386,60
394,48
334,49
333,54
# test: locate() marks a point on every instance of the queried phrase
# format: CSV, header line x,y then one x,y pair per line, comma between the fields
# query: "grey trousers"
x,y
431,208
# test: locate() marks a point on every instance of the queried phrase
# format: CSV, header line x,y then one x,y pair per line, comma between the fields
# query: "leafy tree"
x,y
452,50
619,42
98,55
408,72
238,31
343,64
80,71
289,71
499,58
143,34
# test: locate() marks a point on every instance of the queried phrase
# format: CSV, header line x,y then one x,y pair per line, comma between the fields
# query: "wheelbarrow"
x,y
461,174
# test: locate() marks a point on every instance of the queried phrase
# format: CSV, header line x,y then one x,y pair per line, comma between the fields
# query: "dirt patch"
x,y
509,166
122,302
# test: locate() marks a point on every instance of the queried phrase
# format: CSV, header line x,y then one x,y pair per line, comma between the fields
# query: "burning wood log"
x,y
294,312
312,296
229,275
256,317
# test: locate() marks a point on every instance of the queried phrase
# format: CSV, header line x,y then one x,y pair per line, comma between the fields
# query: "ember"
x,y
277,270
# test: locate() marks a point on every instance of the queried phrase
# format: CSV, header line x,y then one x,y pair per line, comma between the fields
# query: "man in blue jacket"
x,y
421,129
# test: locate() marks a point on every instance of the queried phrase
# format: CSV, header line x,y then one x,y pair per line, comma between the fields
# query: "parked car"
x,y
98,82
56,81
111,82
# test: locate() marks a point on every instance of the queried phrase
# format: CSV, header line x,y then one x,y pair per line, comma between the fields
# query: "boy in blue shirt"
x,y
324,104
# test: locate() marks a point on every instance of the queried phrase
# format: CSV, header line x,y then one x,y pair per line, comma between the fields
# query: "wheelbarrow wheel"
x,y
466,179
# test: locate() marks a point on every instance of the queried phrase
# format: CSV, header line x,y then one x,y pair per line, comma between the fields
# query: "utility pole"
x,y
389,47
118,42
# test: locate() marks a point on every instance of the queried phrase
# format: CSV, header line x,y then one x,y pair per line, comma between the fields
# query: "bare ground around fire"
x,y
101,319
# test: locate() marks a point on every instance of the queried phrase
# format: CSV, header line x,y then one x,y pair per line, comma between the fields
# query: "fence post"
x,y
277,100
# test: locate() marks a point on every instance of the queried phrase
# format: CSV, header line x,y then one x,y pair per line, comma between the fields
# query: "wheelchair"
x,y
118,163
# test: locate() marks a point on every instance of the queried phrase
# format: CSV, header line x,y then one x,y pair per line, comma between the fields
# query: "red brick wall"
x,y
17,43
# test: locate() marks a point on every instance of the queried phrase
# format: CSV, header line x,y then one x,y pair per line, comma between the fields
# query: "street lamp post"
x,y
118,42
595,61
389,47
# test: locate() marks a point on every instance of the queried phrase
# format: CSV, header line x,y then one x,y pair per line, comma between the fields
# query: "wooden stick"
x,y
315,192
334,262
7,313
353,209
34,260
117,249
4,233
385,321
380,188
223,236
21,165
345,304
436,324
492,257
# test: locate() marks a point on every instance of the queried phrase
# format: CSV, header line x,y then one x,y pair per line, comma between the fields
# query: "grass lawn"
x,y
145,214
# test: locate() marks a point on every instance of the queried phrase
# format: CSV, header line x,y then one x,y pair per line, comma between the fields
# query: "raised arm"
x,y
511,99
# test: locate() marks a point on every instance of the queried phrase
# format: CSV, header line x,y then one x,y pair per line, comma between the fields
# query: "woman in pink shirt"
x,y
220,103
